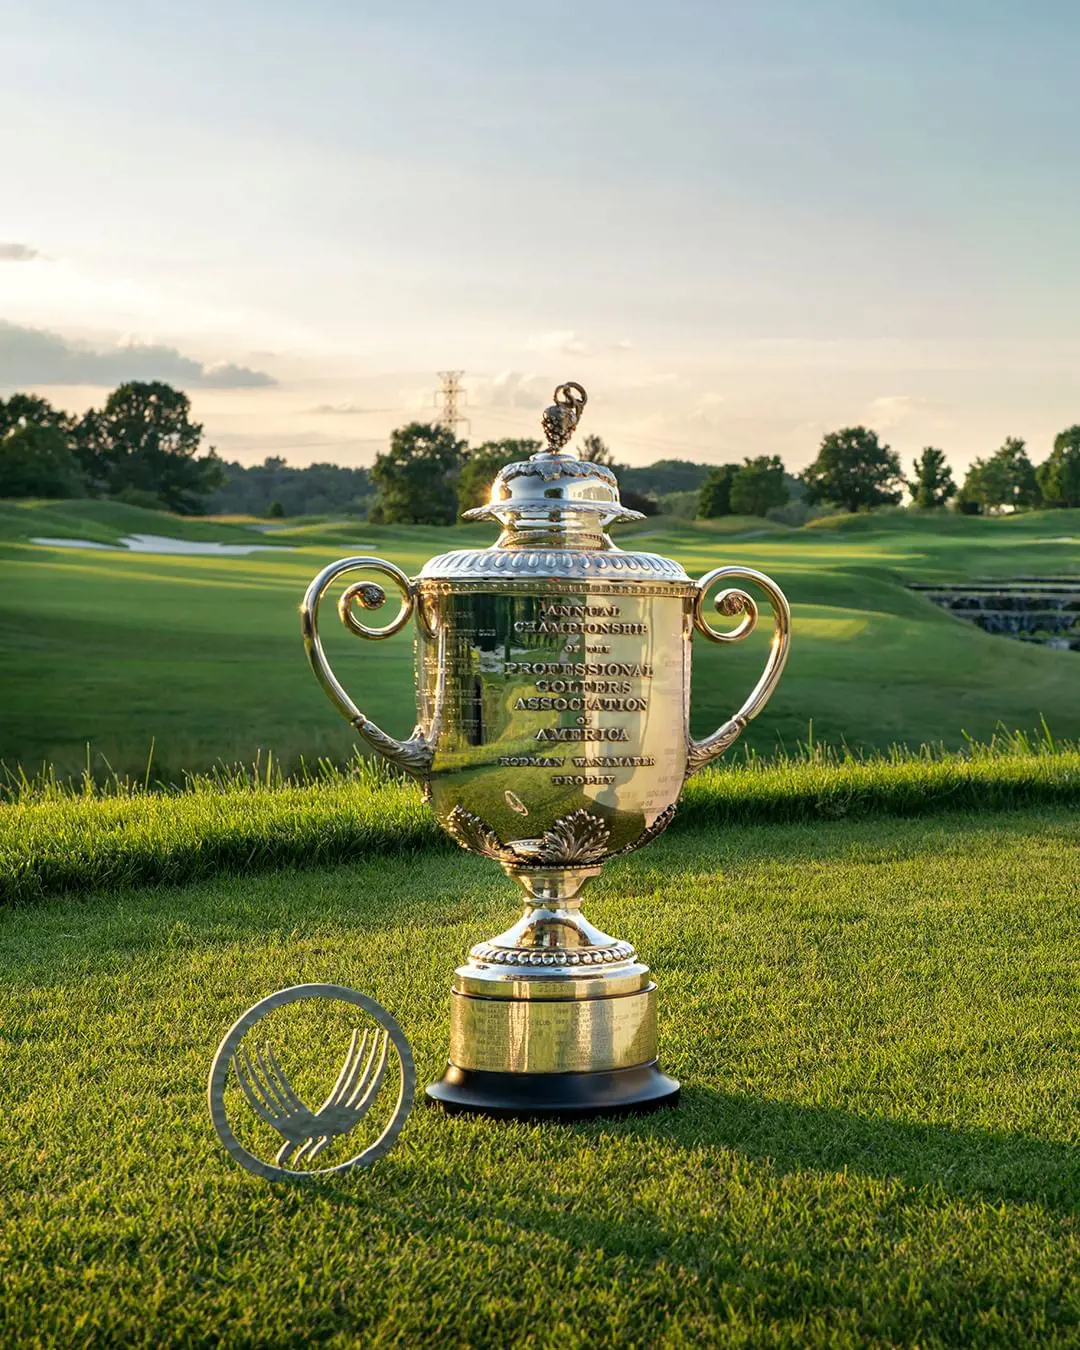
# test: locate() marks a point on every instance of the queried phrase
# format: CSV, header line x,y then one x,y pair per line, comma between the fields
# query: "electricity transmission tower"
x,y
449,393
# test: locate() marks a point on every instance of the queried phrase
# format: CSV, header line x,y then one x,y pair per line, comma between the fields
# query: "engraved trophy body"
x,y
553,693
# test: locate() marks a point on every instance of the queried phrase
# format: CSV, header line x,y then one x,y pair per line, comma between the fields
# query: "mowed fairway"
x,y
202,655
876,1025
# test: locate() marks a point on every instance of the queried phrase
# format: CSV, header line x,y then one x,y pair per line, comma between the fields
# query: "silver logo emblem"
x,y
266,1087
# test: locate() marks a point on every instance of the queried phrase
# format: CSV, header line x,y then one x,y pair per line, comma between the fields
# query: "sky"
x,y
739,225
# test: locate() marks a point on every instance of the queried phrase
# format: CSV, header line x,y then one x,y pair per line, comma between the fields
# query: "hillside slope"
x,y
202,656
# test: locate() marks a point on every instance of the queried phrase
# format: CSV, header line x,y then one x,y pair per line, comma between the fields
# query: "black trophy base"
x,y
553,1096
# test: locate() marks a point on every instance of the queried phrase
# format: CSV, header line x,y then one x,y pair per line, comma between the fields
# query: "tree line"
x,y
855,471
276,488
142,447
428,476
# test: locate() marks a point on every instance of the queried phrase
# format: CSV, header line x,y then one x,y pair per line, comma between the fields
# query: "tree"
x,y
417,477
966,502
666,475
714,497
140,497
35,450
26,410
483,464
36,461
1058,476
854,470
1007,478
1014,457
933,482
144,439
595,451
275,510
638,501
757,486
317,489
985,488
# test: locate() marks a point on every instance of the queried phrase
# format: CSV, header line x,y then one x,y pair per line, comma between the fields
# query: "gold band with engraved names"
x,y
617,1031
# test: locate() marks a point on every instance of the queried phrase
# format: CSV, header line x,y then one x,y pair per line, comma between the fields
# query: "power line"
x,y
449,393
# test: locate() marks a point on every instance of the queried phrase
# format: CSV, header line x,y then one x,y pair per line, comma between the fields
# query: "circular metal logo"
x,y
259,1088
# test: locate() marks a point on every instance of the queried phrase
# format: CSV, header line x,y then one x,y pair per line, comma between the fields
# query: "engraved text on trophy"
x,y
563,701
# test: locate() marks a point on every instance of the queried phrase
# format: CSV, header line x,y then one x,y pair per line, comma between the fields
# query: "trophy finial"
x,y
561,418
555,494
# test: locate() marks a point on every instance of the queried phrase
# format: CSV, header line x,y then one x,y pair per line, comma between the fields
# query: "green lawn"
x,y
867,971
876,1023
56,839
202,655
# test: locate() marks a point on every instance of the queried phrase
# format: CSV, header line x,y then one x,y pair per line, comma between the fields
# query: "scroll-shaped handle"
x,y
415,754
731,602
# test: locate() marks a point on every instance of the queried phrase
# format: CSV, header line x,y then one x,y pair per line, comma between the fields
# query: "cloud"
x,y
898,410
563,340
704,409
568,342
347,408
220,375
34,356
511,389
18,253
652,379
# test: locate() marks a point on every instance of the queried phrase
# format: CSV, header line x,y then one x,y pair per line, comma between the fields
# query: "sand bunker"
x,y
160,543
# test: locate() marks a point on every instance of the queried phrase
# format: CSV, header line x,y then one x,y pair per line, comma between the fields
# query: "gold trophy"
x,y
553,694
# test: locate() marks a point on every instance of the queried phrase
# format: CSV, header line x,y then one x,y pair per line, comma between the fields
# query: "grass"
x,y
54,839
107,522
201,656
875,1022
867,969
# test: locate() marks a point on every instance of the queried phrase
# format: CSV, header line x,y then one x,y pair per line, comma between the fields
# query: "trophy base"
x,y
553,1096
553,1019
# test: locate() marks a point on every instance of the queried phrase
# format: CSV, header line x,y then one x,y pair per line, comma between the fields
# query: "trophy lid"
x,y
555,492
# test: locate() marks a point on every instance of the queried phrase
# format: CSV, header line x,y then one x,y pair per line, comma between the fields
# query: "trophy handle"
x,y
730,602
415,754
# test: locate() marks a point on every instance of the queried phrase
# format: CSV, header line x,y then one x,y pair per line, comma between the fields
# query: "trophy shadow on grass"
x,y
998,1167
786,1137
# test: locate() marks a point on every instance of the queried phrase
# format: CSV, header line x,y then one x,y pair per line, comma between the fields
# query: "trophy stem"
x,y
544,884
552,920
